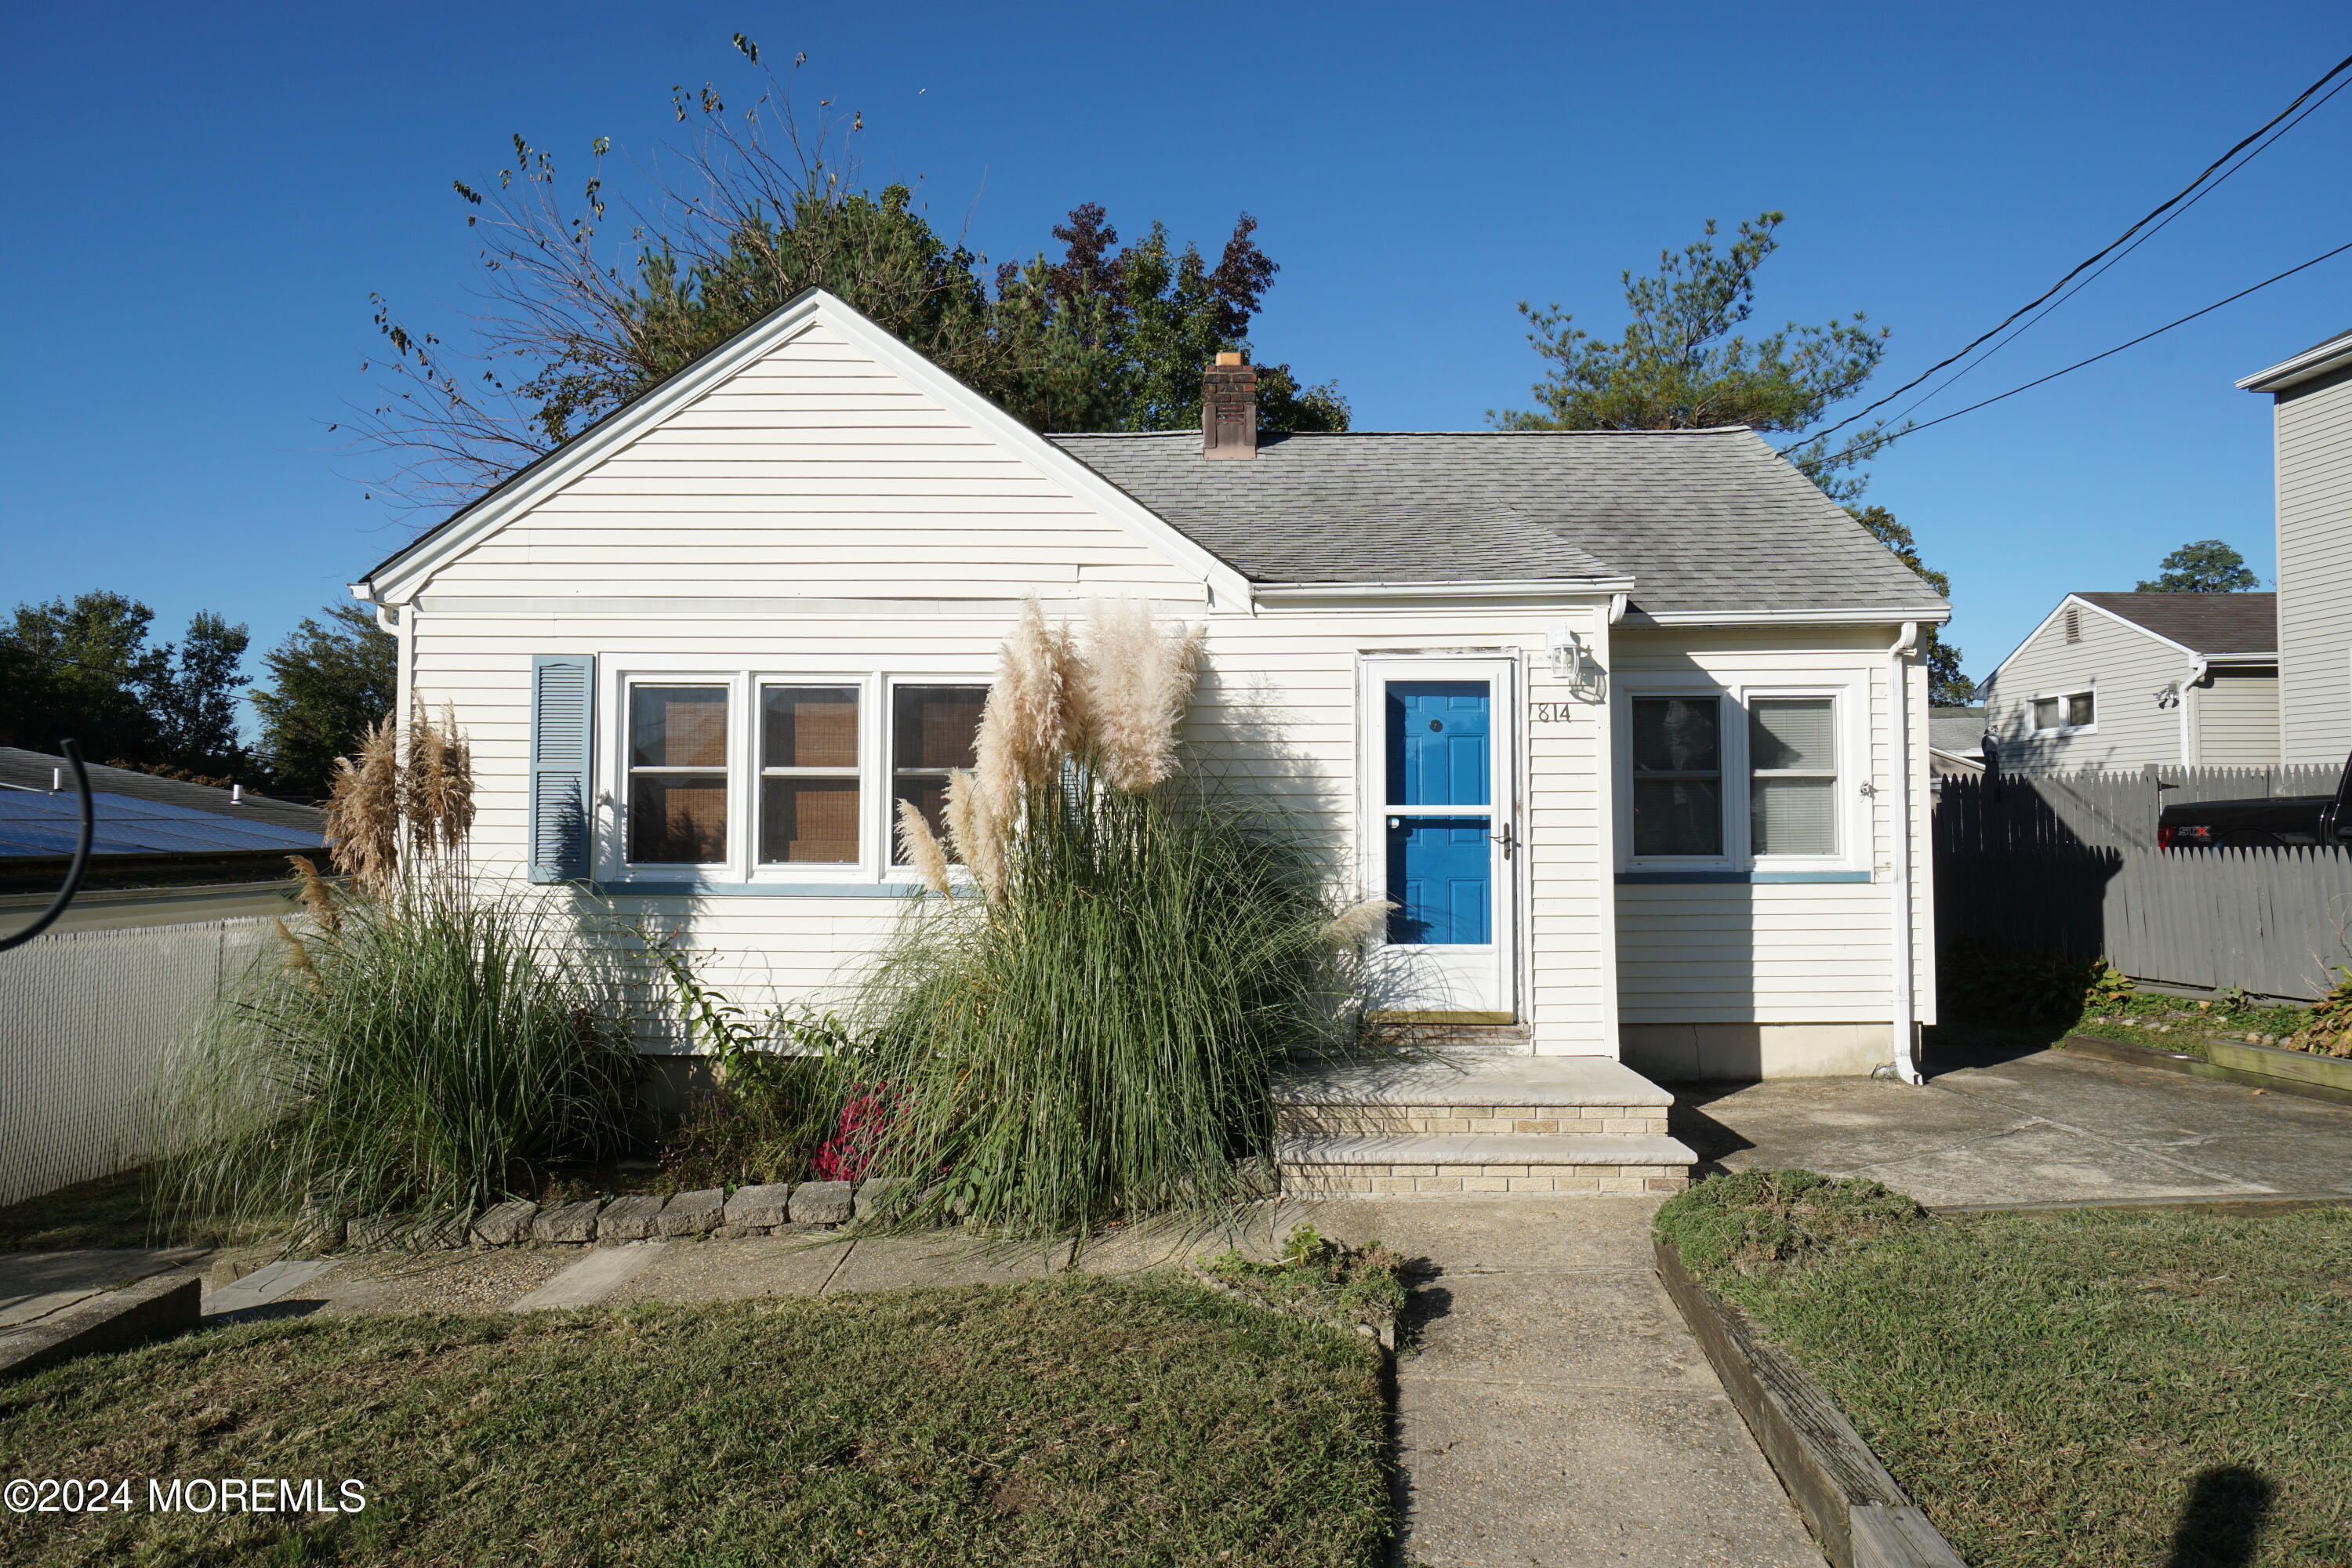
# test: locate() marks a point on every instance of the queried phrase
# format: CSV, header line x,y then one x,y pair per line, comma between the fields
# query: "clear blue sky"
x,y
206,197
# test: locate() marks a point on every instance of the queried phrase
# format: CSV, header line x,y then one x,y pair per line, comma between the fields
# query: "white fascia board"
x,y
2082,604
2302,367
405,572
1925,613
1535,588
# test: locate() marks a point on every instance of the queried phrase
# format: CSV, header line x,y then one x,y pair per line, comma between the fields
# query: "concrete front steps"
x,y
1546,1126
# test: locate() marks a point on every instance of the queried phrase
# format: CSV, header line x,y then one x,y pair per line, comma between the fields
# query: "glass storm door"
x,y
1447,842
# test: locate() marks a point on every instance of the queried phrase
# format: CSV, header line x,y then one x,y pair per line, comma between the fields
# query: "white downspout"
x,y
1903,1024
2198,669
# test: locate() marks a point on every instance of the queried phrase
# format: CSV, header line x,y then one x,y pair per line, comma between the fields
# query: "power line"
x,y
2178,197
2043,314
1878,443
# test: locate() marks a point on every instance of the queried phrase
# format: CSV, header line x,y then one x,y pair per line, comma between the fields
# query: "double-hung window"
x,y
779,780
1737,777
2065,713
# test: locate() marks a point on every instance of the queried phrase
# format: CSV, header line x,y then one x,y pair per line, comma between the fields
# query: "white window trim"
x,y
1856,770
618,676
2035,731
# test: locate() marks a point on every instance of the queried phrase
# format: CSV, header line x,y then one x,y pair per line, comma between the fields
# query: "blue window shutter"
x,y
562,751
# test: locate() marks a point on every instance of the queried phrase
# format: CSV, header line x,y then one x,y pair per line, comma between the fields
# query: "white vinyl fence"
x,y
86,1018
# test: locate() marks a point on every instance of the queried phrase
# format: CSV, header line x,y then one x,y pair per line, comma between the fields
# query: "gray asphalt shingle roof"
x,y
2207,623
1701,519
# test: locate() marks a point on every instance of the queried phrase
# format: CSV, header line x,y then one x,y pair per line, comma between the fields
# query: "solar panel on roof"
x,y
38,823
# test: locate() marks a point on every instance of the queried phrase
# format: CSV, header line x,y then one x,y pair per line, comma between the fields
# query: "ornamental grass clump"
x,y
410,1048
1088,1027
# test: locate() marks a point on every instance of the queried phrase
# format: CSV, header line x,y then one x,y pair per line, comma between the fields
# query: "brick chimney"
x,y
1229,409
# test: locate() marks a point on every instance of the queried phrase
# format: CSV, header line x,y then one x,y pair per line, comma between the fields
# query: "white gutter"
x,y
400,621
1923,613
1904,1021
1537,587
2198,668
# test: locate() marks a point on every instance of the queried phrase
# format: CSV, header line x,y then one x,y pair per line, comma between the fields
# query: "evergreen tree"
x,y
1947,687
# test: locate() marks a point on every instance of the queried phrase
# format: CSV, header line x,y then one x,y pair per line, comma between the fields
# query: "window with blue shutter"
x,y
563,734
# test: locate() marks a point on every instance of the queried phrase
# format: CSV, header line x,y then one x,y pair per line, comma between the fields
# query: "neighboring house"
x,y
1681,815
2115,682
151,831
2312,411
1956,743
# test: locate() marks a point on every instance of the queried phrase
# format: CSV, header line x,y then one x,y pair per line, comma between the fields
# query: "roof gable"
x,y
397,579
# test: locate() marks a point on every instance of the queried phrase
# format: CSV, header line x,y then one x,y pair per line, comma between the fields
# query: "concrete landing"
x,y
1484,1080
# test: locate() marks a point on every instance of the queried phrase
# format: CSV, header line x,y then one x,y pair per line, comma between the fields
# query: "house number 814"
x,y
1554,712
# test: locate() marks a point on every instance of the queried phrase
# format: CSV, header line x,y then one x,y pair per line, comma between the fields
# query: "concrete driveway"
x,y
2044,1127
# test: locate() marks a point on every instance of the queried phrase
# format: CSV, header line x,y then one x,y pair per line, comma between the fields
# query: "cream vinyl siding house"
x,y
2115,682
702,649
2312,397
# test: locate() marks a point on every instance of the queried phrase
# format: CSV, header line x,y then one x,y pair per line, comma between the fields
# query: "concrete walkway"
x,y
2045,1127
1556,1413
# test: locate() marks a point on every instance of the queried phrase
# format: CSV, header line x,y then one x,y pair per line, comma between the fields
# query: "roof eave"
x,y
1519,588
1936,614
2310,362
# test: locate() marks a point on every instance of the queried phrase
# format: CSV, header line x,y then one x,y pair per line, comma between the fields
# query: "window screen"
x,y
1793,761
677,774
1677,777
808,775
932,730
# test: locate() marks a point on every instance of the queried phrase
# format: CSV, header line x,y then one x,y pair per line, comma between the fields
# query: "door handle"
x,y
1506,838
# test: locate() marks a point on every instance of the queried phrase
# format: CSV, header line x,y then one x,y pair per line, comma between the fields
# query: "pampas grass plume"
x,y
924,851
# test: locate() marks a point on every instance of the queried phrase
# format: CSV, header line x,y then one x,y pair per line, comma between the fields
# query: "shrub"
x,y
773,1106
422,1054
1089,1027
2024,987
1757,1221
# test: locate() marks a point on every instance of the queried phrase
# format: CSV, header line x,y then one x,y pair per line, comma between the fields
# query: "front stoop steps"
x,y
1544,1126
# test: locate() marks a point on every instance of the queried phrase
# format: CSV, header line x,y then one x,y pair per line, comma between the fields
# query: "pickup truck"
x,y
2287,819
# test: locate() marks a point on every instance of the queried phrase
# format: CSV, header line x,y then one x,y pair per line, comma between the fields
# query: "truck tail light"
x,y
2164,838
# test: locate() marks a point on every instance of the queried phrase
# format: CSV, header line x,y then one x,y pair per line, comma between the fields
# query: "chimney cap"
x,y
1229,356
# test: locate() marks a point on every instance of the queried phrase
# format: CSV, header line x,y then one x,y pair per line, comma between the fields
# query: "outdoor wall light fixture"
x,y
1573,662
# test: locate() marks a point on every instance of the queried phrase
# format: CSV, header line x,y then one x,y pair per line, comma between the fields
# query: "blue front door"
x,y
1440,770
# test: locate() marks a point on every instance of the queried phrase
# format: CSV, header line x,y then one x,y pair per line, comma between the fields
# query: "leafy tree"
x,y
194,707
1947,687
1682,364
2202,566
330,682
757,213
83,668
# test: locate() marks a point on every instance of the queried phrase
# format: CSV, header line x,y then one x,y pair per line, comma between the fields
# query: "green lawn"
x,y
1074,1420
2091,1390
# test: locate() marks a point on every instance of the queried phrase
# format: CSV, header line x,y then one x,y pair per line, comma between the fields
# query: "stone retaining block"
x,y
877,1195
567,1222
692,1213
824,1202
504,1224
629,1218
760,1207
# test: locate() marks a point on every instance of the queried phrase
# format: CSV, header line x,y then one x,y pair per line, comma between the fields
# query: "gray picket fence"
x,y
2068,862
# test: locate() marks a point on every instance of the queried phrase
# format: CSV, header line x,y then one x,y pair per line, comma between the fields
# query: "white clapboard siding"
x,y
1793,953
2315,569
2125,666
1277,717
814,472
2234,719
